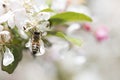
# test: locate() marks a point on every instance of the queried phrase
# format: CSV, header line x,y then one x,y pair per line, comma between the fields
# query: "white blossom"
x,y
15,14
73,27
5,17
8,57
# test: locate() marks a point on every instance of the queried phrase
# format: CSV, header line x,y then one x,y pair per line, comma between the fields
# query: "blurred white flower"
x,y
79,60
39,5
8,57
80,9
73,27
59,5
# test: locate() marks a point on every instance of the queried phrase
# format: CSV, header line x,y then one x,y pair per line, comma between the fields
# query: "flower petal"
x,y
44,26
11,22
42,49
15,4
44,16
23,34
28,44
8,57
5,17
73,27
20,18
2,9
1,28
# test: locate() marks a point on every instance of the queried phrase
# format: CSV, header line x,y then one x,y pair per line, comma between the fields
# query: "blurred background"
x,y
97,59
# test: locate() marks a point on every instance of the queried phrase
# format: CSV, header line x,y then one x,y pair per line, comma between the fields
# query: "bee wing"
x,y
41,49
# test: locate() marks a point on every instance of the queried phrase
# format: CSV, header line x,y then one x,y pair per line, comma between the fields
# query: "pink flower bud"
x,y
101,34
87,27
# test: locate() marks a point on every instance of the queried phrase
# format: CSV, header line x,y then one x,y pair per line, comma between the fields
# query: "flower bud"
x,y
4,36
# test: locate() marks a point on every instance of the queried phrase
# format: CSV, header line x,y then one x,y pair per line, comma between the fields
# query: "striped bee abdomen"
x,y
36,43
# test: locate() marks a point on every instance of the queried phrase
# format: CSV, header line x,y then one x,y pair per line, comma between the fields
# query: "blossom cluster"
x,y
26,16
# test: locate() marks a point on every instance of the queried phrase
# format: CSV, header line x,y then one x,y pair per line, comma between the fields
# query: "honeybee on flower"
x,y
35,43
38,28
14,14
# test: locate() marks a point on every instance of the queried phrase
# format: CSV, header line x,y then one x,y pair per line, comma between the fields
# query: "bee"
x,y
36,43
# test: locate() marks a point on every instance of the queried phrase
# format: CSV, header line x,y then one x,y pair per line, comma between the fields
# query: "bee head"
x,y
37,33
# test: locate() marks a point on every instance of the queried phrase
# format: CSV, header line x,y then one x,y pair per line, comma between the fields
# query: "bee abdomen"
x,y
35,49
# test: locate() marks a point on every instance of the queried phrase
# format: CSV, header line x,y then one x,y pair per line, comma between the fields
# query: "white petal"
x,y
44,26
23,34
39,5
15,4
42,49
5,17
20,18
1,28
44,16
2,9
8,57
28,44
73,27
11,22
59,5
80,60
44,33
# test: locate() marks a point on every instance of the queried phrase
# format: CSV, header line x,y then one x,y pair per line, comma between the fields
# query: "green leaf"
x,y
64,36
69,17
47,10
17,52
16,46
